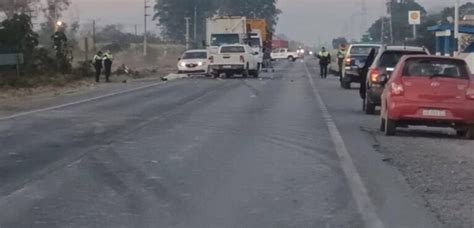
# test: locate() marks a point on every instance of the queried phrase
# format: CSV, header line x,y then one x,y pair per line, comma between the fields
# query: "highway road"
x,y
286,150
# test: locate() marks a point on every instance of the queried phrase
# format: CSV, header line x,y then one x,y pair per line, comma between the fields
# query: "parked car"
x,y
354,61
429,91
194,62
235,59
384,64
284,53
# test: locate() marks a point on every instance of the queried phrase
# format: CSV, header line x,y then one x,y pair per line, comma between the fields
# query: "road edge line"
x,y
26,113
365,205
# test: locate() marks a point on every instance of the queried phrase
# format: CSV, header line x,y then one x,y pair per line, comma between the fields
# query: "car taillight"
x,y
396,89
374,75
242,59
470,93
211,59
348,61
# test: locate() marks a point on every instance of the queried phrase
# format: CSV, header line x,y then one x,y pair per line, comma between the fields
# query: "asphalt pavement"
x,y
286,150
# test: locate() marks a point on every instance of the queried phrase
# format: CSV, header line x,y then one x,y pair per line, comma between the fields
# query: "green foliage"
x,y
17,33
171,14
337,42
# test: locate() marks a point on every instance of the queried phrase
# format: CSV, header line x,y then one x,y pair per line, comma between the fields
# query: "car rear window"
x,y
195,55
447,68
233,49
363,50
391,58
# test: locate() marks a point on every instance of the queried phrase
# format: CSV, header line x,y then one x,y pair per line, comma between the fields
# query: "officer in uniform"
x,y
108,59
340,58
324,60
98,65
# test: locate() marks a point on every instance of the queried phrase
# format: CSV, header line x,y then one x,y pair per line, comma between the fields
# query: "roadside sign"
x,y
414,17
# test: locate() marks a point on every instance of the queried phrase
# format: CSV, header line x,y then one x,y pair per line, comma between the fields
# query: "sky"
x,y
309,21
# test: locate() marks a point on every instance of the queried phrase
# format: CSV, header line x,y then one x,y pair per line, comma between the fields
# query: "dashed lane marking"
x,y
364,204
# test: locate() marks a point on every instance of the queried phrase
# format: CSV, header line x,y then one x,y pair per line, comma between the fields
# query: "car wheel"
x,y
390,127
346,85
369,107
246,72
291,58
470,132
382,124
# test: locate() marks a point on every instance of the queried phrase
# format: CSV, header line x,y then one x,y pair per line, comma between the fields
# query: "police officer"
x,y
108,59
98,65
324,60
340,58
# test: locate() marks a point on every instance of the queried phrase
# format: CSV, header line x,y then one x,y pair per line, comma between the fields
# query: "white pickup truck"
x,y
284,53
234,59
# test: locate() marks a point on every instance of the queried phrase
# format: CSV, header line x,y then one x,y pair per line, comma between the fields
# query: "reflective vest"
x,y
97,58
324,54
341,54
108,56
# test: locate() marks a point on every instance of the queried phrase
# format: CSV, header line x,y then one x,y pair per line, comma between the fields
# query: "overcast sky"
x,y
305,20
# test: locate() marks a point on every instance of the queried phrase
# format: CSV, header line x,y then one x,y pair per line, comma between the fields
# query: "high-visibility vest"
x,y
97,58
108,56
341,54
324,54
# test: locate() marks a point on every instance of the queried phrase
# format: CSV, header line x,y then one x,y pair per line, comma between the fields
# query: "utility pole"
x,y
456,28
145,43
382,28
363,17
195,27
94,47
187,32
389,8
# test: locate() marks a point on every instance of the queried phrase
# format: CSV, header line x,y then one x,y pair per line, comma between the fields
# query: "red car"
x,y
429,91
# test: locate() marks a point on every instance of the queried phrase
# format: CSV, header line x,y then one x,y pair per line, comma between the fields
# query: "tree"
x,y
17,33
337,42
13,7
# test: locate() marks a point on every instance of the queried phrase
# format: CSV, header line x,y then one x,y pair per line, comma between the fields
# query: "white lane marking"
x,y
20,114
359,191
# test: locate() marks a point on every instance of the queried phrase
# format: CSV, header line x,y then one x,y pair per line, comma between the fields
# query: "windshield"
x,y
435,68
232,49
195,55
362,50
221,39
391,58
254,42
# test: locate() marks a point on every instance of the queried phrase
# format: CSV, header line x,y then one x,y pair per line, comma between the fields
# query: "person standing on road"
x,y
324,60
340,59
98,59
108,60
363,74
267,59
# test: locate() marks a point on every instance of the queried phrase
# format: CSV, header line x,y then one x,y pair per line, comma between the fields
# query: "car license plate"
x,y
227,67
434,112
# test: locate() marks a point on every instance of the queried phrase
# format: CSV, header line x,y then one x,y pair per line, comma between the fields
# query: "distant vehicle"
x,y
222,30
260,37
284,53
354,61
429,91
235,59
194,62
384,64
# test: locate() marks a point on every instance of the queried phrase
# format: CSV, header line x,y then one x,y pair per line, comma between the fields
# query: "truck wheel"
x,y
390,127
